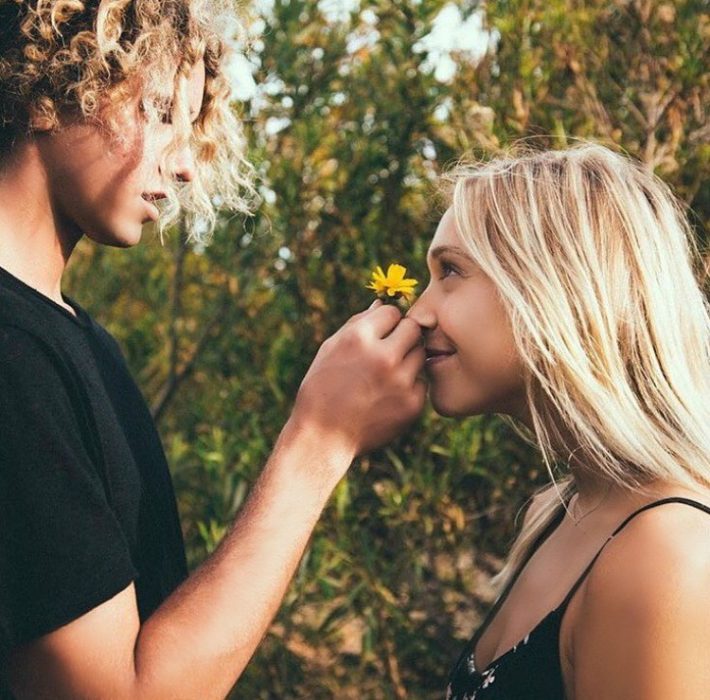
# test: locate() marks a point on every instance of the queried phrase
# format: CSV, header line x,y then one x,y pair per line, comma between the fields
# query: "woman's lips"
x,y
436,357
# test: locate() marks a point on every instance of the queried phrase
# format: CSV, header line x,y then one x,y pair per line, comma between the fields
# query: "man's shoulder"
x,y
28,358
23,317
32,348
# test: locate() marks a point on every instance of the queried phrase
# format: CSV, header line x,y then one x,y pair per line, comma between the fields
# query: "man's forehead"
x,y
196,86
191,86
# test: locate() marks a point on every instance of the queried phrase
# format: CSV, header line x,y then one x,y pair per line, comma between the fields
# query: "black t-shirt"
x,y
86,499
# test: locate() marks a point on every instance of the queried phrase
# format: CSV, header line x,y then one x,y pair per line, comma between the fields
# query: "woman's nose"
x,y
422,313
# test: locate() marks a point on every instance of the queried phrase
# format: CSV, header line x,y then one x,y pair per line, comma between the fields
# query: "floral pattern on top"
x,y
528,667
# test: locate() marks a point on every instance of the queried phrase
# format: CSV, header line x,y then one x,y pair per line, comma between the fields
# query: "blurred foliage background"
x,y
358,106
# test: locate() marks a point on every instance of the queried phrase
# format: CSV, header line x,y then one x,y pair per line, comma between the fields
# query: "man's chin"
x,y
118,239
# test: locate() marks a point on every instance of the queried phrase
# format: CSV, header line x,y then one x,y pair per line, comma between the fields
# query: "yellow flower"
x,y
393,284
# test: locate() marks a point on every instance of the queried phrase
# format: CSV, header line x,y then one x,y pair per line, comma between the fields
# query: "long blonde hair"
x,y
599,271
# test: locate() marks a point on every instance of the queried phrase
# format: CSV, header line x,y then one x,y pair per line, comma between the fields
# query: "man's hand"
x,y
364,385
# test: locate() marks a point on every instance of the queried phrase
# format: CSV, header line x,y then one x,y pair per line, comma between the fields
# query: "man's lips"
x,y
154,196
150,200
153,211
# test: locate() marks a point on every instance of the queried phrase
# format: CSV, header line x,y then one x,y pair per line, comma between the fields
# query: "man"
x,y
95,601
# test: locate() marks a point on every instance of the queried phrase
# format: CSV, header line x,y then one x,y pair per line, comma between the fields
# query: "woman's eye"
x,y
447,270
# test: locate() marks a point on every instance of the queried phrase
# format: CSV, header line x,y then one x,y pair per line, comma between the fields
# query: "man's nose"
x,y
180,164
184,165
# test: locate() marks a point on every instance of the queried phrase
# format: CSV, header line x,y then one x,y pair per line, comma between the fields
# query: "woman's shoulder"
x,y
643,613
659,547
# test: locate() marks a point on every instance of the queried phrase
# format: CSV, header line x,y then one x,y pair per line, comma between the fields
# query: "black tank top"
x,y
531,670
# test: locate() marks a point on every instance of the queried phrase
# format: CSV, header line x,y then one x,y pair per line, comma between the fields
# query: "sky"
x,y
452,38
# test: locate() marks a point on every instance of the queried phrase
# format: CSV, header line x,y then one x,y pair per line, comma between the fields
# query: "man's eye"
x,y
163,111
166,113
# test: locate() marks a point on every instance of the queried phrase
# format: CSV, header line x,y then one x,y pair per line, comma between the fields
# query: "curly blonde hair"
x,y
84,58
602,278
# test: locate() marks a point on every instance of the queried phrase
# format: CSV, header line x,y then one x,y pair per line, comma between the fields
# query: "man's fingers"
x,y
356,317
382,320
407,335
413,363
380,317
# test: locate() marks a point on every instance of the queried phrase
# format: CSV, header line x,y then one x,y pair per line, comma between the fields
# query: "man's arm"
x,y
361,390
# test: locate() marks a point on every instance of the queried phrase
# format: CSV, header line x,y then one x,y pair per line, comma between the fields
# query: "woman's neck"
x,y
605,504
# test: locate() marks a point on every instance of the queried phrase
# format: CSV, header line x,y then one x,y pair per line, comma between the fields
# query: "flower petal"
x,y
396,273
393,284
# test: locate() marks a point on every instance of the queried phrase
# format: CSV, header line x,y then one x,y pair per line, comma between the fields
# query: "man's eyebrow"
x,y
440,250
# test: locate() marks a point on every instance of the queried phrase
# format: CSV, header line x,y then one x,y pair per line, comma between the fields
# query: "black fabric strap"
x,y
648,506
555,520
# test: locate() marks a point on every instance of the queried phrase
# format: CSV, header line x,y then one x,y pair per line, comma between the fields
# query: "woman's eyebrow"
x,y
440,250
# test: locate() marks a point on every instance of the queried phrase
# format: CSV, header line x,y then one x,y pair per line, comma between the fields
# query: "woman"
x,y
563,294
107,107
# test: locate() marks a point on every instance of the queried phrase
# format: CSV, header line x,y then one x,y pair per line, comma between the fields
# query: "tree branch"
x,y
178,376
